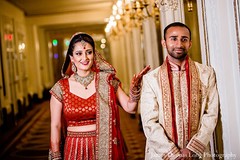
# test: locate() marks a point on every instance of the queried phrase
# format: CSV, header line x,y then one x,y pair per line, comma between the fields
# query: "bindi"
x,y
84,43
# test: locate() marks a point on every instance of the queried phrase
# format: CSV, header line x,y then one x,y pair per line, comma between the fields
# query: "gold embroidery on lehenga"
x,y
104,136
56,90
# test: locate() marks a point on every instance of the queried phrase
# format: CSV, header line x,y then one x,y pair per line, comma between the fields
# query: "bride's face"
x,y
83,56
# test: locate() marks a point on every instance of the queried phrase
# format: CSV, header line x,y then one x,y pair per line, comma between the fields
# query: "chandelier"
x,y
130,13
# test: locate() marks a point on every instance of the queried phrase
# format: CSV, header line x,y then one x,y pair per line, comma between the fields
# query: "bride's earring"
x,y
74,68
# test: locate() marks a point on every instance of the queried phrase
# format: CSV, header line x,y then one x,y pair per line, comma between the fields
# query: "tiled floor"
x,y
35,143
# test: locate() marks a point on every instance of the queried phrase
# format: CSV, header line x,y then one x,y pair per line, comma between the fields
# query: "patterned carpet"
x,y
133,136
32,142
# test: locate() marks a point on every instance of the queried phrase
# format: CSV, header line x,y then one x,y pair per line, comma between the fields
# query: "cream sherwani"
x,y
194,115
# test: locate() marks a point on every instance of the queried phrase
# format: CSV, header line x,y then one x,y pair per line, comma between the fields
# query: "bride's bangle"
x,y
55,155
134,96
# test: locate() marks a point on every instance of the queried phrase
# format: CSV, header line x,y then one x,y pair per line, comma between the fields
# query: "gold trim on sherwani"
x,y
190,102
195,115
170,155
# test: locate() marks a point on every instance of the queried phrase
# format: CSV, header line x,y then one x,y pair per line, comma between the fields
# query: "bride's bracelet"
x,y
55,155
134,95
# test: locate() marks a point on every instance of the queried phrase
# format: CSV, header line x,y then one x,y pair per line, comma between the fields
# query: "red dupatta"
x,y
109,139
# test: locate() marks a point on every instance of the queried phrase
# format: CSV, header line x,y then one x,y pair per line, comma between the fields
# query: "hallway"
x,y
32,140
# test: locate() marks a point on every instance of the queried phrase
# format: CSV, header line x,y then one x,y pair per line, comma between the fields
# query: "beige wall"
x,y
220,46
11,59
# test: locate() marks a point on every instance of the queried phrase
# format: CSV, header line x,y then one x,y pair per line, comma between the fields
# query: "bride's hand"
x,y
137,79
135,87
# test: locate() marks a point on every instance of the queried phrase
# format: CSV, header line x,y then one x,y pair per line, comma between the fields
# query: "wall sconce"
x,y
190,5
165,5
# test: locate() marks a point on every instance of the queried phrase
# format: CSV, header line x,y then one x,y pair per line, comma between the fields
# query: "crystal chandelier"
x,y
165,5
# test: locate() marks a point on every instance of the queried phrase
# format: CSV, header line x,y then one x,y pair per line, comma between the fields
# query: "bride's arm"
x,y
129,103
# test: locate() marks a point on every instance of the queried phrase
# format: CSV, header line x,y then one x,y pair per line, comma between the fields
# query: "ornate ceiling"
x,y
96,10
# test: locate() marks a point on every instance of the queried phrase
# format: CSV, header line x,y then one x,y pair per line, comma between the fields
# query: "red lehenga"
x,y
106,143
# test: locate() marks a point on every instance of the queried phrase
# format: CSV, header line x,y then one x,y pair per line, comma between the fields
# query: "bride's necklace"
x,y
85,81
